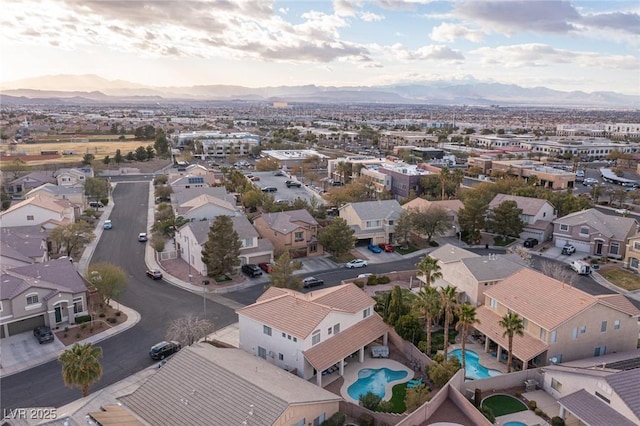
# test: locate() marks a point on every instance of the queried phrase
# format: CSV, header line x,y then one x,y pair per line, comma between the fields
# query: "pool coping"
x,y
351,375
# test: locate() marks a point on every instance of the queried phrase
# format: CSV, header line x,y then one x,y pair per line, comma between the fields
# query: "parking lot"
x,y
269,179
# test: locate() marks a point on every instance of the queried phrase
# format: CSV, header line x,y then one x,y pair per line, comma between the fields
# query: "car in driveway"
x,y
568,249
155,274
142,237
530,242
164,349
356,263
107,224
374,248
43,334
387,247
266,266
312,282
252,270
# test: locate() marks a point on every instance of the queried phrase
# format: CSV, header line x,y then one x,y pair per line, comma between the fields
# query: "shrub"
x,y
488,413
372,280
118,313
359,283
78,335
370,401
538,411
66,329
533,405
557,421
90,329
83,318
385,407
112,320
518,394
102,315
366,420
433,243
384,280
337,419
65,335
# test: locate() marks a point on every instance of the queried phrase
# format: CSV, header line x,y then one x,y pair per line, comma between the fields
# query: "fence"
x,y
379,419
409,350
168,255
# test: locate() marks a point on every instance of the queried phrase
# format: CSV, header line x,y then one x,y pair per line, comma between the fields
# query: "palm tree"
x,y
81,366
512,324
448,298
466,318
444,179
428,303
429,267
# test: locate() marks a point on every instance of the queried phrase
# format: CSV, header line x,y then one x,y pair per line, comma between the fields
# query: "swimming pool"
x,y
474,370
515,424
374,380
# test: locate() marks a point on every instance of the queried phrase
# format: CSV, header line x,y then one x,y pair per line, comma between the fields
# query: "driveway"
x,y
374,258
24,349
555,253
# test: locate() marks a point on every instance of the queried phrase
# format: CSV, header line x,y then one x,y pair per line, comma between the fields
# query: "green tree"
x,y
222,250
429,305
466,319
81,366
141,153
96,188
513,325
72,237
337,237
163,192
369,400
5,200
404,226
106,160
282,275
150,152
416,397
441,370
472,216
16,167
444,179
87,159
505,219
429,268
118,157
397,305
109,280
432,222
448,299
161,144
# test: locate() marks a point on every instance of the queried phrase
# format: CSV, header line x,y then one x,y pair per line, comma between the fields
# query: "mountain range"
x,y
93,89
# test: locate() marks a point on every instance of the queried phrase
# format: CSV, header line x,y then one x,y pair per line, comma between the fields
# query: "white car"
x,y
357,263
622,211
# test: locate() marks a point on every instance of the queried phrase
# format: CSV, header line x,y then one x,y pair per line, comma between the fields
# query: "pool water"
x,y
515,424
474,370
374,380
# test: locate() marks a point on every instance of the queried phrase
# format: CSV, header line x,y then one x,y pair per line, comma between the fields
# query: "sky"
x,y
563,45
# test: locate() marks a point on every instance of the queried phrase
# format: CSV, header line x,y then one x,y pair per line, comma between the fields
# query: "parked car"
x,y
374,248
142,237
265,266
291,183
107,224
43,334
622,211
155,274
269,189
164,349
96,204
255,178
387,247
530,242
357,263
282,201
312,282
279,173
252,270
568,249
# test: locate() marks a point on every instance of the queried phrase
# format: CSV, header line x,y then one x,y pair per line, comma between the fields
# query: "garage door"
x,y
260,259
25,325
580,246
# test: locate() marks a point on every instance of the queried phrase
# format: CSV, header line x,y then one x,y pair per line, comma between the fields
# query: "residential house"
x,y
74,194
39,210
196,170
27,182
372,221
192,236
561,323
206,207
293,230
73,177
51,293
452,207
310,332
21,246
187,182
185,195
537,215
595,233
470,273
227,387
632,253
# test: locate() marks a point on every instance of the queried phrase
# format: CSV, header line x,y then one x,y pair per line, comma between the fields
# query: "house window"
x,y
32,299
295,339
262,352
600,350
373,224
574,333
299,236
319,420
313,248
556,385
366,312
285,335
636,245
584,230
554,336
543,334
289,336
493,304
301,422
329,330
266,330
604,398
616,325
634,263
77,305
390,223
525,323
281,357
603,327
315,338
30,217
614,248
564,227
583,329
336,329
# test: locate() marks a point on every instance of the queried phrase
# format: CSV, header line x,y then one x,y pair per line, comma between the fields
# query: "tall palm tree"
x,y
81,366
448,299
512,324
429,267
444,179
428,302
466,319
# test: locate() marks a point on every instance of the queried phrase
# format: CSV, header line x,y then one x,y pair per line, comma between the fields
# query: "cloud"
x,y
440,53
370,17
618,21
450,32
346,7
401,4
542,55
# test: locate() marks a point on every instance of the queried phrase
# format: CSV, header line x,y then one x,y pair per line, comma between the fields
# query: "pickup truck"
x,y
291,183
581,267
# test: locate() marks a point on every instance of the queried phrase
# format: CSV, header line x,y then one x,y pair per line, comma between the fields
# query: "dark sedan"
x,y
43,334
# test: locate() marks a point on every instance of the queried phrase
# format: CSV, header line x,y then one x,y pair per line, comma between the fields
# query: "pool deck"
x,y
528,417
353,367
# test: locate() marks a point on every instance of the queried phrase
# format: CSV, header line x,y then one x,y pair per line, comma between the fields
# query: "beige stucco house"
x,y
40,210
75,195
293,230
632,253
537,215
75,177
372,221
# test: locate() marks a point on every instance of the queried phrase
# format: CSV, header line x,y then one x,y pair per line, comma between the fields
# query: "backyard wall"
x,y
356,411
502,381
409,350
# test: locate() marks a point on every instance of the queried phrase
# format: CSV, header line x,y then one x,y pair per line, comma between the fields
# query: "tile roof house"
x,y
39,210
632,253
191,237
28,182
73,177
561,322
205,385
452,207
181,197
595,233
206,207
23,245
75,195
51,293
372,221
537,215
187,182
293,230
308,333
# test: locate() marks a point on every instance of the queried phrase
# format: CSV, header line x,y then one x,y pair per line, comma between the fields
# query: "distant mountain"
x,y
92,88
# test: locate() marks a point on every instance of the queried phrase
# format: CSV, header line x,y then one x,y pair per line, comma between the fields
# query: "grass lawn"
x,y
621,278
397,398
504,404
407,250
499,241
437,339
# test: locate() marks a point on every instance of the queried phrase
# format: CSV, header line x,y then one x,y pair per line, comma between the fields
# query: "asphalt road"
x,y
157,302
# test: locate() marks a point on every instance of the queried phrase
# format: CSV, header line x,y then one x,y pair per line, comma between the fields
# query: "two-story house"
x,y
191,237
26,183
308,333
372,221
40,210
206,207
293,230
561,323
595,233
632,253
23,245
187,182
74,194
537,215
73,177
51,293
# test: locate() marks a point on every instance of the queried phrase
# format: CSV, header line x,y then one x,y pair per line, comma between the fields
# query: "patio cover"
x,y
592,411
325,354
525,347
115,415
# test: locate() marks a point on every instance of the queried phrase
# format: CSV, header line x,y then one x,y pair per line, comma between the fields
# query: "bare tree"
x,y
523,253
557,271
189,329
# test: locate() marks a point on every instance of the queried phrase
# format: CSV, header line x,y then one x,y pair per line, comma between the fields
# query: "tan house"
x,y
537,215
372,221
452,207
294,230
561,323
547,177
632,254
39,210
73,177
205,385
206,207
74,194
